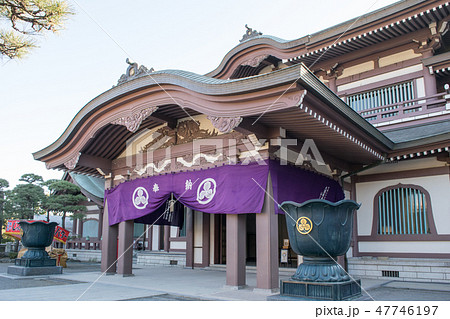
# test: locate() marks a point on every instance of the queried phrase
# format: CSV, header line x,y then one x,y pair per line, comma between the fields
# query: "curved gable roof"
x,y
385,23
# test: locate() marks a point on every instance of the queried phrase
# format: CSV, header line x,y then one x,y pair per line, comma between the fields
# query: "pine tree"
x,y
64,198
27,19
27,198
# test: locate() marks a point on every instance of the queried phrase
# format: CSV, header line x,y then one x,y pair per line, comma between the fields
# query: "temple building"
x,y
195,166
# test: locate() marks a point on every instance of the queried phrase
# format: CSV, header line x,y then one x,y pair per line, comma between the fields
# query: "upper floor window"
x,y
382,97
403,210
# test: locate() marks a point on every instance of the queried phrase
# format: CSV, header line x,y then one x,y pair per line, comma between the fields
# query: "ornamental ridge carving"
x,y
163,138
71,163
250,33
133,72
254,62
225,124
133,121
185,132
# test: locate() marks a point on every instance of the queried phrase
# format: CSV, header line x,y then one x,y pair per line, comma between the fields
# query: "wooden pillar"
x,y
149,237
217,242
267,243
236,246
429,78
205,240
166,237
109,244
354,243
332,84
125,248
160,237
331,76
189,237
100,223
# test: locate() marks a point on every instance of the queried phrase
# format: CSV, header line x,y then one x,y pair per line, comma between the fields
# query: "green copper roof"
x,y
92,187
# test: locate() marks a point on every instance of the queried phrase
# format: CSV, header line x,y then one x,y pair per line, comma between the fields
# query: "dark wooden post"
x,y
100,222
267,243
429,77
236,246
109,244
205,240
125,248
189,238
166,237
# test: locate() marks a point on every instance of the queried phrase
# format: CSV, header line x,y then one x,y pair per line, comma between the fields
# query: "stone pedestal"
x,y
34,267
330,291
26,262
34,271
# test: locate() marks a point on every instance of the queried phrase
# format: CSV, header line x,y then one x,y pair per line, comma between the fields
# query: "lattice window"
x,y
383,96
403,210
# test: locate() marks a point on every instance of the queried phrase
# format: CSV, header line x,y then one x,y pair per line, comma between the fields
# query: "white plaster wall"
x,y
84,255
381,77
418,163
198,252
155,237
420,87
198,237
177,245
198,228
437,186
356,69
441,247
398,57
173,231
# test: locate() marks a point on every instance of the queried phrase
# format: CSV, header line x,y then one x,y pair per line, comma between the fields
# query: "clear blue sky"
x,y
39,95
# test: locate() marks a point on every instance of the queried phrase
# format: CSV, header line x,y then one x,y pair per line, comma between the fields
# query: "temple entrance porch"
x,y
146,149
235,239
203,250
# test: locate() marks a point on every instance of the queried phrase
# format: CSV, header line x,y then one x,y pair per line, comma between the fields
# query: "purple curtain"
x,y
299,185
230,189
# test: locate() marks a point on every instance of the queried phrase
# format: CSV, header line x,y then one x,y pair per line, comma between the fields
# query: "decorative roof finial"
x,y
250,33
133,71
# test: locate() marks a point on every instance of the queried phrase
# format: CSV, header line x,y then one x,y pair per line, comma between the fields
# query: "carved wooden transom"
x,y
185,132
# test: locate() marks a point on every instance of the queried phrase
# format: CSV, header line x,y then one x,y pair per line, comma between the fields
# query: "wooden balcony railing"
x,y
82,243
412,109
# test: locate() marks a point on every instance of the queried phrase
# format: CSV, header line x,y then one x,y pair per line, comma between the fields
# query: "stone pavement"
x,y
84,281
